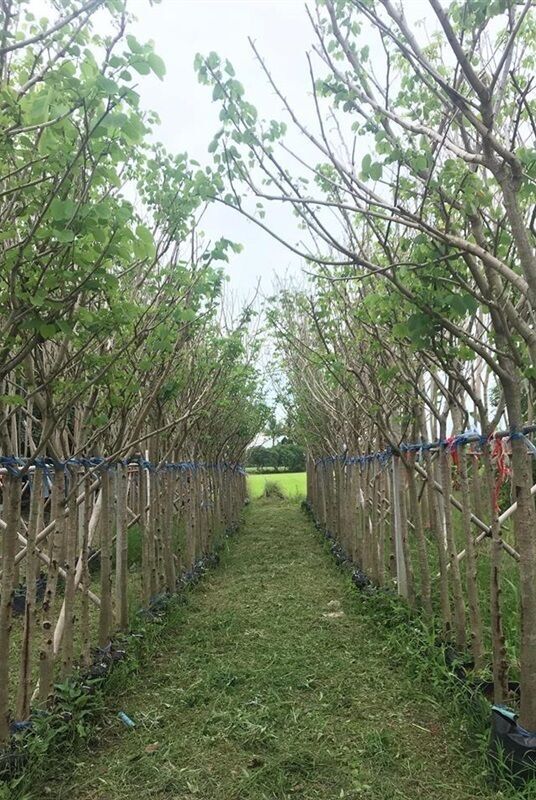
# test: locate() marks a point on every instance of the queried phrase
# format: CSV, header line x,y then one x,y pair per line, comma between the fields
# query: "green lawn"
x,y
292,483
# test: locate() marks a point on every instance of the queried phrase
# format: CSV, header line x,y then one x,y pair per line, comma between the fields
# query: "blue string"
x,y
47,464
12,464
519,435
384,456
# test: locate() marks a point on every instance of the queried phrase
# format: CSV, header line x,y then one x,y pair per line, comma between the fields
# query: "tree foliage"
x,y
109,292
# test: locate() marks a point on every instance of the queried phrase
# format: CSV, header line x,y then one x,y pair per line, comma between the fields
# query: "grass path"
x,y
274,685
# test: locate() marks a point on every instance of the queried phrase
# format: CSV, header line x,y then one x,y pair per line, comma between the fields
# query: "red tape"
x,y
452,448
498,455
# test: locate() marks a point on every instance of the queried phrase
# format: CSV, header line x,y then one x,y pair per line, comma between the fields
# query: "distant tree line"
x,y
283,456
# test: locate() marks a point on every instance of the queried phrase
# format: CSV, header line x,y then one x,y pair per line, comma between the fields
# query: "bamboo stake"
x,y
374,526
50,527
159,532
151,533
189,524
486,530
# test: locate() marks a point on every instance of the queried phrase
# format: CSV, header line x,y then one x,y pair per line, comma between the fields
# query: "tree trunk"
x,y
524,527
11,494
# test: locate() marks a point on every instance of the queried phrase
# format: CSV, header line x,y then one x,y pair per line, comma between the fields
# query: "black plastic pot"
x,y
511,744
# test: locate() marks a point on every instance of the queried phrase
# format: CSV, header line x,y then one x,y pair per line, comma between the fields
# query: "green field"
x,y
292,483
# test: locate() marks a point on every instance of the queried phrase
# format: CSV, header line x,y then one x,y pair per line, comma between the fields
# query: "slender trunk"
x,y
403,577
144,538
85,577
106,611
11,494
121,549
25,689
498,643
416,517
46,662
457,590
71,535
524,527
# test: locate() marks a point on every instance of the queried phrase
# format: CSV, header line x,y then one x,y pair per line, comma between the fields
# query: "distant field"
x,y
292,483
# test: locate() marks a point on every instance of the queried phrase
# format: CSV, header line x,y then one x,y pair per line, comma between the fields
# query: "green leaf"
x,y
375,171
185,315
62,209
39,108
64,236
46,329
144,246
37,299
157,65
133,44
217,92
12,400
141,66
420,163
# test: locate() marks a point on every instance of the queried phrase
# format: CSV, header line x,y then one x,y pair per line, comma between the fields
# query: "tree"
x,y
441,207
111,340
260,457
290,456
274,429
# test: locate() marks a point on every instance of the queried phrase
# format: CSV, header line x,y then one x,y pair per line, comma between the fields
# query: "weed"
x,y
273,490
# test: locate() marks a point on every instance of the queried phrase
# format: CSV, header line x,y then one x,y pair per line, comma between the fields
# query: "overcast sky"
x,y
180,29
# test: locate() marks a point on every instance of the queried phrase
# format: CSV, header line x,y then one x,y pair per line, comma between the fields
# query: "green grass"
x,y
276,681
293,484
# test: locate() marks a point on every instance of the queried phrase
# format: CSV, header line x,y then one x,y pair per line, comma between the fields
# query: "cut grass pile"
x,y
292,484
275,681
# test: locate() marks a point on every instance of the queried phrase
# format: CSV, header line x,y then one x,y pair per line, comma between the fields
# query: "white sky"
x,y
180,29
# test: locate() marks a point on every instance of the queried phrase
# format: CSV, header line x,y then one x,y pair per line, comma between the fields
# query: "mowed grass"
x,y
293,484
275,682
